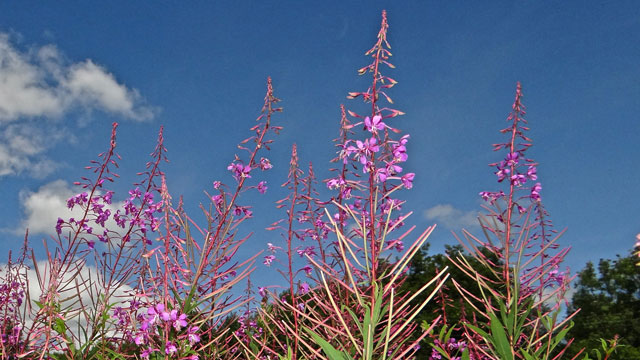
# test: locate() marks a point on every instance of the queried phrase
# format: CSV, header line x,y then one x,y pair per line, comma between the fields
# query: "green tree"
x,y
448,303
609,301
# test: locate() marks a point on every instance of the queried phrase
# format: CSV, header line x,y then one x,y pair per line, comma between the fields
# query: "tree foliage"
x,y
608,297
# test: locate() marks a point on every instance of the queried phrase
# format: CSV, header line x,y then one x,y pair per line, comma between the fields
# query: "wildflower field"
x,y
353,278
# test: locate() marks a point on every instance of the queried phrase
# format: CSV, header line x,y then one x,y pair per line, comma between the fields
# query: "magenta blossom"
x,y
193,335
304,288
375,124
502,173
307,270
335,183
262,187
178,321
272,248
512,159
268,260
518,179
239,170
407,180
170,348
532,173
265,164
153,313
309,250
535,192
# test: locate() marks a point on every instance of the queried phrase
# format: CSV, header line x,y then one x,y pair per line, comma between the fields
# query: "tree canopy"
x,y
608,297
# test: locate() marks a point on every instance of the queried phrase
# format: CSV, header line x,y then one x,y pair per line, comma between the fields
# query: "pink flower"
x,y
309,250
59,225
375,124
304,288
535,192
262,187
407,180
107,197
239,170
518,179
512,159
502,173
139,340
268,260
272,248
146,352
193,335
178,321
265,164
335,183
170,348
307,270
153,313
382,174
400,153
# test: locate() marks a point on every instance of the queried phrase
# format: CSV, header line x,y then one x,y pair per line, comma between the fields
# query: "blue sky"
x,y
68,70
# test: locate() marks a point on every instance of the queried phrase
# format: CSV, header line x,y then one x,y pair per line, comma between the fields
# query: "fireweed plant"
x,y
521,297
160,288
141,279
343,303
71,316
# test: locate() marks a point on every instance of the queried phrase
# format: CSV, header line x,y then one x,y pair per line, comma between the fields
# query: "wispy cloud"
x,y
450,217
38,86
40,83
23,149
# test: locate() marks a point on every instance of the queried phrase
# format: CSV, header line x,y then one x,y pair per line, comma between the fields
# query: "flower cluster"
x,y
515,167
98,210
12,293
239,170
248,328
451,348
156,320
11,297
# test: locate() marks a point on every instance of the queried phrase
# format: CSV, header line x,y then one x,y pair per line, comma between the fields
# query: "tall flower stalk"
x,y
352,307
526,278
192,269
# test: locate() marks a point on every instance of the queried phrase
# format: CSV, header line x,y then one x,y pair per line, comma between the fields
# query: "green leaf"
x,y
448,335
465,354
328,349
367,333
500,339
354,317
479,331
59,326
527,356
289,355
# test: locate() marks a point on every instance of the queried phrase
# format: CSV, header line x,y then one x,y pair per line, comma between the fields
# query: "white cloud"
x,y
92,86
23,90
23,147
86,280
452,218
39,83
43,207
